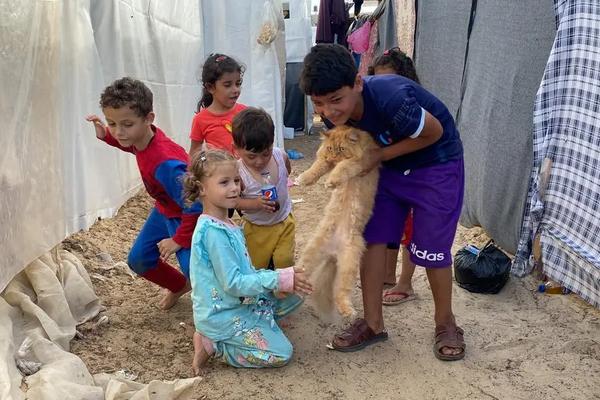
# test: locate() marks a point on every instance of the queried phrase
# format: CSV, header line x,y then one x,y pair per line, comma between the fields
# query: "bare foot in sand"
x,y
286,322
170,298
201,356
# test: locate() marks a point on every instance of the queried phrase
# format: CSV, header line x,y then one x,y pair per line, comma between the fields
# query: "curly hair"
x,y
327,68
212,70
202,164
128,92
398,61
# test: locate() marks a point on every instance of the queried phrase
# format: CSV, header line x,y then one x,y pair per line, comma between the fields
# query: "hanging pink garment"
x,y
367,57
359,39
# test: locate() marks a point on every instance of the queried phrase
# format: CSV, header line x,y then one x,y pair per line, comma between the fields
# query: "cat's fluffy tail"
x,y
322,278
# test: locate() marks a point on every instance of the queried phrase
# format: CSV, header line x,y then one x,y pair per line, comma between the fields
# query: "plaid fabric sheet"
x,y
563,203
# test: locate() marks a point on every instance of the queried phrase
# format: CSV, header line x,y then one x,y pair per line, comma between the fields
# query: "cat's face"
x,y
342,143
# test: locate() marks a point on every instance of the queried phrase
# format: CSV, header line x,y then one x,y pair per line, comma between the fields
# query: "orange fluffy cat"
x,y
333,253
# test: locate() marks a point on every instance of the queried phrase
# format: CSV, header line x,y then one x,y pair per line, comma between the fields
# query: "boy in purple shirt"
x,y
422,168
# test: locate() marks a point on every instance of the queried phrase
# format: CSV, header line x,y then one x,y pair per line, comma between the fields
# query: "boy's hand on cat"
x,y
98,125
301,283
373,158
167,247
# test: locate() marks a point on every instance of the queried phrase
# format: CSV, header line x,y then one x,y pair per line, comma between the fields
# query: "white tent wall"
x,y
298,31
55,176
231,27
298,41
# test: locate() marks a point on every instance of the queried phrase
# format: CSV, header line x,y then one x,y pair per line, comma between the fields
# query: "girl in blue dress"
x,y
235,312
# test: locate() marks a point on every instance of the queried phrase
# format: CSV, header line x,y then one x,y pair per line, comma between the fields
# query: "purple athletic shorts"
x,y
435,194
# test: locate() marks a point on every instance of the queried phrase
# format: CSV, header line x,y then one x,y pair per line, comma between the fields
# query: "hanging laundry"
x,y
332,22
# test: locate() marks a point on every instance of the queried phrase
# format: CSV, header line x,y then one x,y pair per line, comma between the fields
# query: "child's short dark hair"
x,y
327,68
128,92
253,130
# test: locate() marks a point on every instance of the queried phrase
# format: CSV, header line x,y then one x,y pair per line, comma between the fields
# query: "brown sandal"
x,y
356,337
449,336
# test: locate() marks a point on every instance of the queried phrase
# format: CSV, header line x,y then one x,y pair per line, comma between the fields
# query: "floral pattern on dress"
x,y
254,338
216,299
264,308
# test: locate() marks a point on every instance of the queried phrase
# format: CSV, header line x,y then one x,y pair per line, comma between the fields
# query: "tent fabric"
x,y
502,74
39,311
386,29
405,25
295,99
55,177
440,47
297,31
232,27
563,201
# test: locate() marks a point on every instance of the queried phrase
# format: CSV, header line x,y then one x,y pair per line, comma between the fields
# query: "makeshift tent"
x,y
39,312
488,81
56,178
297,45
493,59
563,203
232,27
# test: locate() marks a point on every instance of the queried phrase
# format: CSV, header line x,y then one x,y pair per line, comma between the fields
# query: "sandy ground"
x,y
520,345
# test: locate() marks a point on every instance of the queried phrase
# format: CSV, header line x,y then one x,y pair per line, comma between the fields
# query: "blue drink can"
x,y
269,192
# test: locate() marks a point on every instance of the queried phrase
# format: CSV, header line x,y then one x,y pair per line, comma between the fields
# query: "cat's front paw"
x,y
304,179
332,183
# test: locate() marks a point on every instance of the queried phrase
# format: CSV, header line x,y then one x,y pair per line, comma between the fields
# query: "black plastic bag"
x,y
481,271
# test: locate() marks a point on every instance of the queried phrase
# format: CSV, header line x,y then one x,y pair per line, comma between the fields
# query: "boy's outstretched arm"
x,y
98,125
103,133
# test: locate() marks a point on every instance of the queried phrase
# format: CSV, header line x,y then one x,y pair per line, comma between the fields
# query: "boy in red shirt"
x,y
127,107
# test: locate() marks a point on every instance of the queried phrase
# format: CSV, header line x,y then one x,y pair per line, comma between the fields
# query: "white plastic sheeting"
x,y
298,40
39,311
55,59
232,27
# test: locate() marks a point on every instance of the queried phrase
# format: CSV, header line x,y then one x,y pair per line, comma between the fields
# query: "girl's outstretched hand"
x,y
98,125
301,283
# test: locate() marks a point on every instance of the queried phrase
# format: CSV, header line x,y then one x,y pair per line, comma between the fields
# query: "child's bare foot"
x,y
279,295
170,298
201,356
285,322
398,294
